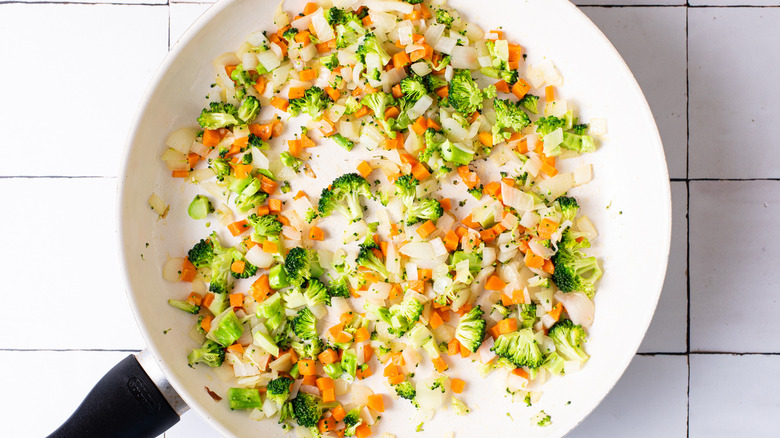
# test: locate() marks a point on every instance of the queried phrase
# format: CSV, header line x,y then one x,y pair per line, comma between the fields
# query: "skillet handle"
x,y
124,403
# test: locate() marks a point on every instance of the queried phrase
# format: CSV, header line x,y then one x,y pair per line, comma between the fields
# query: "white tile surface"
x,y
744,404
60,381
648,401
64,264
667,331
734,102
182,16
735,246
652,42
88,66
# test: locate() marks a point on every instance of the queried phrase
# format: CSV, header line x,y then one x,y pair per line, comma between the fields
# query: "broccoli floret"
x,y
289,34
278,389
218,115
406,189
265,227
316,293
367,259
221,168
379,102
311,214
433,141
580,128
433,82
211,354
352,421
301,264
248,110
403,315
416,210
342,141
546,125
510,76
545,419
352,105
568,207
508,115
530,102
249,269
334,15
405,390
554,363
331,62
243,77
413,2
290,161
568,338
527,314
344,196
225,328
314,101
308,349
371,44
474,258
443,17
471,329
202,254
308,409
520,348
573,271
257,142
305,324
578,143
184,306
452,294
245,203
221,280
465,95
346,35
413,88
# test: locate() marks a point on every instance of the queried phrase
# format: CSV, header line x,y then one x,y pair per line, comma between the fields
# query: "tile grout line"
x,y
687,223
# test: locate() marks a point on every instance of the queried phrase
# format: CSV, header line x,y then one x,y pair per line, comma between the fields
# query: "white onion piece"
x,y
321,27
420,107
586,226
308,389
182,139
464,57
308,52
175,160
445,45
488,256
429,398
516,198
442,283
598,126
341,386
421,68
393,259
552,140
474,32
529,219
583,174
291,233
301,23
377,291
515,382
158,205
172,268
259,159
198,148
433,33
259,258
269,59
579,307
389,5
411,271
355,231
550,73
453,128
445,222
395,76
542,251
484,353
360,394
556,186
282,363
418,250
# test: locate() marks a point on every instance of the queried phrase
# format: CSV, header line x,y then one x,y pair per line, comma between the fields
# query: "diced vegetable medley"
x,y
451,237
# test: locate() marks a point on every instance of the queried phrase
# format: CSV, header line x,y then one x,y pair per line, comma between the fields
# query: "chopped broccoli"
x,y
331,62
221,167
403,315
352,105
568,207
277,277
474,258
305,324
546,125
202,254
568,338
278,389
465,95
406,390
367,259
308,409
460,407
271,309
454,153
314,101
184,306
243,77
316,293
413,2
225,328
290,161
544,419
221,280
301,264
416,210
245,203
433,83
249,109
264,227
453,293
344,196
578,143
580,129
218,115
520,348
471,329
510,76
249,269
308,349
311,214
244,398
369,45
527,314
342,141
334,15
573,270
530,102
508,115
352,421
379,102
414,88
211,354
257,142
289,34
554,363
443,17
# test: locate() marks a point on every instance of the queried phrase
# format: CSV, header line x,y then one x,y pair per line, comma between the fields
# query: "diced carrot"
x,y
270,247
205,323
518,297
522,146
492,188
268,185
391,370
263,210
457,385
464,351
446,204
425,11
401,59
395,291
488,235
188,271
364,169
180,173
453,347
274,205
310,8
417,286
195,299
420,172
316,233
328,128
520,372
339,413
436,320
238,266
327,424
308,74
333,93
336,329
237,228
549,170
520,88
237,299
548,267
236,349
363,430
328,356
549,93
556,311
296,92
208,299
425,274
363,111
426,229
325,47
433,125
420,125
440,365
307,380
495,35
324,383
192,159
515,52
502,86
367,21
279,103
469,222
303,37
261,288
533,261
443,92
546,228
392,113
362,334
414,15
486,138
368,353
229,69
495,283
397,92
507,325
210,137
394,380
260,84
395,143
376,402
451,241
299,195
307,367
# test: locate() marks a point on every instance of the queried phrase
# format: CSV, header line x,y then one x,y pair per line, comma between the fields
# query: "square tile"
x,y
668,330
743,406
61,378
733,100
89,66
649,401
734,249
644,37
182,17
64,266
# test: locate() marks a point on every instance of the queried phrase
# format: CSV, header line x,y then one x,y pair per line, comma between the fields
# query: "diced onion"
x,y
377,291
418,250
157,204
433,33
464,57
578,306
259,258
583,174
172,269
182,139
445,45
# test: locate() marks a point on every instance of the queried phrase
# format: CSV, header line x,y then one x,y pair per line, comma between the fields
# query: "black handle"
x,y
124,403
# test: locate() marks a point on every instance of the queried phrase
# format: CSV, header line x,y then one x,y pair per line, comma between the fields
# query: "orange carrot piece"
x,y
327,424
457,385
521,88
420,172
363,111
443,92
270,247
296,92
268,185
328,356
515,52
417,286
343,337
533,261
363,430
367,21
401,59
520,372
316,233
329,396
237,300
362,334
195,299
433,125
492,188
397,92
394,380
279,103
392,370
451,241
308,74
392,113
339,413
180,173
425,274
307,367
549,93
440,365
324,383
236,349
275,205
546,228
205,323
502,86
310,8
210,137
549,170
556,311
467,221
237,228
548,267
333,93
507,325
188,271
238,266
453,347
376,402
488,235
495,283
420,125
208,299
364,169
426,229
261,288
260,84
436,320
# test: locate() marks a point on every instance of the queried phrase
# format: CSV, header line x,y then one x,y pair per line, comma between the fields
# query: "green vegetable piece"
x,y
200,207
185,306
244,398
225,328
471,329
211,354
277,277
